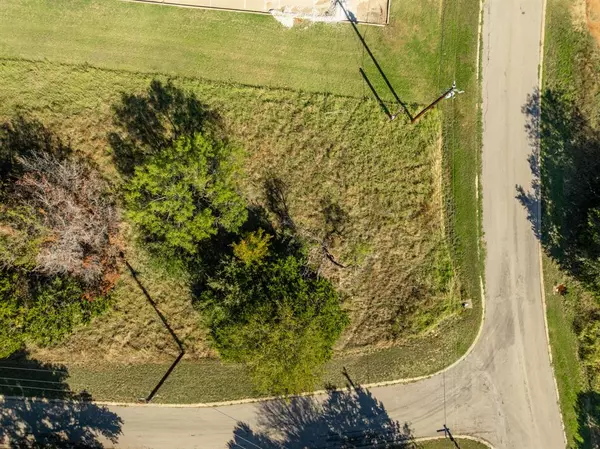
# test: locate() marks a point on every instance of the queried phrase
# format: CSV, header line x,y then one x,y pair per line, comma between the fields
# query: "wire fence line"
x,y
48,370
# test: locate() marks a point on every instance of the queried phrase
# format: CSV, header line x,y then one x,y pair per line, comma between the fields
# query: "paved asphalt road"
x,y
504,390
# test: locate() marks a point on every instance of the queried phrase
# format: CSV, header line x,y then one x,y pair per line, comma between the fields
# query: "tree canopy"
x,y
186,193
277,318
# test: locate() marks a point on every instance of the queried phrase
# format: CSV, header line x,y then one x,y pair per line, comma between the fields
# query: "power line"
x,y
34,388
35,369
32,380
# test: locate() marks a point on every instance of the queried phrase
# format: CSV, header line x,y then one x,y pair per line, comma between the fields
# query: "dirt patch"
x,y
593,18
578,14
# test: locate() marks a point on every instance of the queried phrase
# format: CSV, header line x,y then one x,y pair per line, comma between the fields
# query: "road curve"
x,y
503,391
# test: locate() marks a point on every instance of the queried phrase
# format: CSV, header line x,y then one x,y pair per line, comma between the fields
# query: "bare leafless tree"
x,y
77,208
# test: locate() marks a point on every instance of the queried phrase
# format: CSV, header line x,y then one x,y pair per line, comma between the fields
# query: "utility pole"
x,y
447,433
450,93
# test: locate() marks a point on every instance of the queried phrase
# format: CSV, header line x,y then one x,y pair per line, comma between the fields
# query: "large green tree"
x,y
186,193
276,317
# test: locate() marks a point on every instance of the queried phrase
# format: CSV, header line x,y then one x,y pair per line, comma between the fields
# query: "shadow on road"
x,y
71,422
349,418
563,205
566,184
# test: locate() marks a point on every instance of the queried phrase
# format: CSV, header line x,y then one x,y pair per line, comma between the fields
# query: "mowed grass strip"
x,y
461,137
445,443
242,48
570,377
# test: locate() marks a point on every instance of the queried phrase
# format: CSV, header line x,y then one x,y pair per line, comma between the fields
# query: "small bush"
x,y
253,248
41,310
75,206
58,226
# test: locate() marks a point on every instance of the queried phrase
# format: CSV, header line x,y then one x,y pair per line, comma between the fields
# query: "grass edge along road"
x,y
567,65
444,443
570,378
461,156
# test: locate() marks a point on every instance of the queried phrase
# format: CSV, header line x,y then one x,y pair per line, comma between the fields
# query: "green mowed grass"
x,y
396,182
567,369
447,444
242,48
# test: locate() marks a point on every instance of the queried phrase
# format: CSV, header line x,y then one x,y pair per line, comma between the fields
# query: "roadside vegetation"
x,y
226,191
444,443
567,186
58,228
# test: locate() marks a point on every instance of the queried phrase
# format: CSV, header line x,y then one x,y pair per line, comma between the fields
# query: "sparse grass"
x,y
377,172
342,150
323,146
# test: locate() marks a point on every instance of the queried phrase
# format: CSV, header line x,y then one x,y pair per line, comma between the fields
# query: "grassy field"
x,y
393,234
342,149
242,48
571,66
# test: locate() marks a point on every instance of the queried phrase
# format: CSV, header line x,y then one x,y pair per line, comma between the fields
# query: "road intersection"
x,y
503,391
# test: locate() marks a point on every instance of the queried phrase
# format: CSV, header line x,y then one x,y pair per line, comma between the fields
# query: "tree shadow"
x,y
335,219
151,122
588,419
531,200
349,418
275,193
566,185
22,137
68,419
563,205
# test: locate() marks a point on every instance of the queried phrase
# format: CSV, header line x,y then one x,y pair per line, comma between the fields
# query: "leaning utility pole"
x,y
450,93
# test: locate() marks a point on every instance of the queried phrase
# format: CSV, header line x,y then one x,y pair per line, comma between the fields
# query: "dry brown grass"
x,y
131,332
325,149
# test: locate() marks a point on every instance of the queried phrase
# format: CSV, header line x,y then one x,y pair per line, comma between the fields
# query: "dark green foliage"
x,y
41,310
185,194
56,223
277,318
